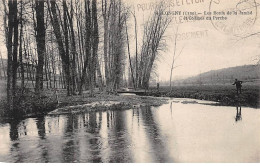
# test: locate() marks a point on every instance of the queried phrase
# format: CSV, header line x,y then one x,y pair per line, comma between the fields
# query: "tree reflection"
x,y
80,146
136,113
40,123
154,135
95,142
110,117
14,136
70,148
119,137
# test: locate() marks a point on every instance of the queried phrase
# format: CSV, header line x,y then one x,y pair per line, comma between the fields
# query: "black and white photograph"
x,y
129,81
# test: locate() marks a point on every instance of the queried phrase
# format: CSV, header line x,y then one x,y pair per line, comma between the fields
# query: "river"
x,y
184,130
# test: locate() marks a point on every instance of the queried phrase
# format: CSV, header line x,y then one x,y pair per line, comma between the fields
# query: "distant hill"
x,y
246,73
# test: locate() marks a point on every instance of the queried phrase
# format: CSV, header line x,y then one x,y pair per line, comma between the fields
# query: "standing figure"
x,y
238,85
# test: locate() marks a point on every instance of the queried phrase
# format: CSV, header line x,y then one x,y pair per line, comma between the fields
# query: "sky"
x,y
206,45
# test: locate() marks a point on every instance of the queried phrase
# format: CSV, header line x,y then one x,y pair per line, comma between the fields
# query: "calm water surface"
x,y
174,132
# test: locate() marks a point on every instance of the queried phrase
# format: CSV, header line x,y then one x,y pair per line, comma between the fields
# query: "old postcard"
x,y
130,81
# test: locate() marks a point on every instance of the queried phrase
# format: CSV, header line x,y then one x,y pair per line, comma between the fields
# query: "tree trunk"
x,y
129,56
95,40
40,40
73,47
12,44
136,58
57,32
67,48
15,48
87,46
105,14
20,47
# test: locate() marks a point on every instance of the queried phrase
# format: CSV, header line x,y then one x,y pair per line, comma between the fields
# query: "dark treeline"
x,y
78,45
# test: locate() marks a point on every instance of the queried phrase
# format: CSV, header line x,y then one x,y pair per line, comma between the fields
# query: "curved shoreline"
x,y
67,104
33,106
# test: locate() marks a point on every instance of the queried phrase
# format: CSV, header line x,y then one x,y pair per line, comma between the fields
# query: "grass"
x,y
28,104
224,94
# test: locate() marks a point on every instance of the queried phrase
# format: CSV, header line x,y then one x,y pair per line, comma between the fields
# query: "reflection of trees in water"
x,y
153,133
78,144
136,113
18,129
14,130
95,142
40,123
119,137
110,117
70,147
90,145
14,137
53,124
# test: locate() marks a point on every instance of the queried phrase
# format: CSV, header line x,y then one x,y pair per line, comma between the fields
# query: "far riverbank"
x,y
30,105
225,95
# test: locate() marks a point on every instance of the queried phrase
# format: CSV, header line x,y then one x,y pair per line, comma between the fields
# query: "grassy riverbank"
x,y
224,94
31,105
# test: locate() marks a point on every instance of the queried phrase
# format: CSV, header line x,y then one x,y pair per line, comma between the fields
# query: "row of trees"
x,y
82,43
